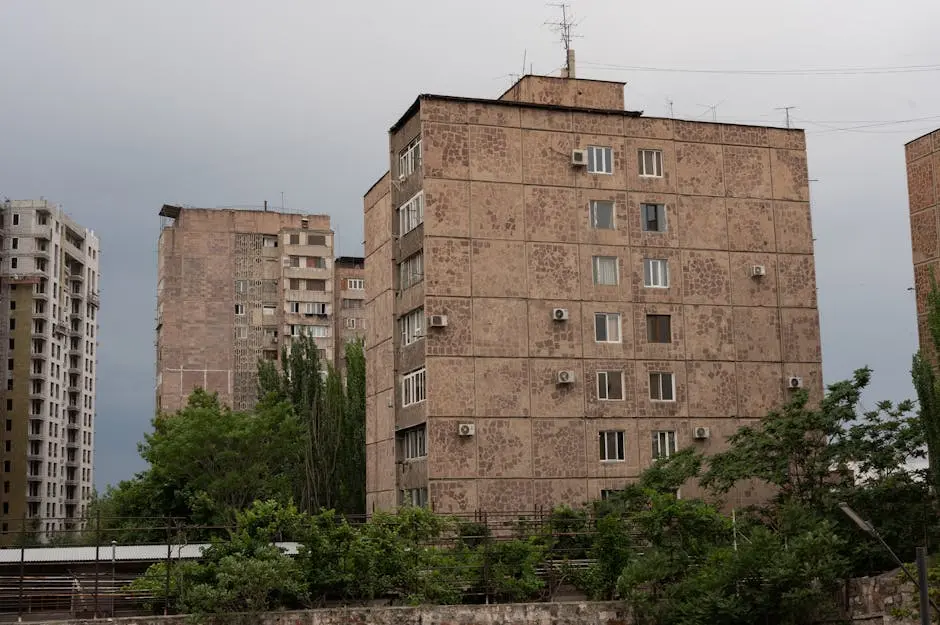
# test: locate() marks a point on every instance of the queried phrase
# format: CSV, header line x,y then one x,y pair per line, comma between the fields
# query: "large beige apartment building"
x,y
234,287
923,186
561,291
49,303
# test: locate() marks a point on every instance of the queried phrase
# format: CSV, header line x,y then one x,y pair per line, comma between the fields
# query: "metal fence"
x,y
86,571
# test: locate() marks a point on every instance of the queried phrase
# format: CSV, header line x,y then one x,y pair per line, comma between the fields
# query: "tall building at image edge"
x,y
234,287
923,187
561,291
49,302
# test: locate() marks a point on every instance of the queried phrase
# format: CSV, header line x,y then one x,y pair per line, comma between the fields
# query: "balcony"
x,y
60,328
71,462
33,454
94,299
72,444
76,276
33,498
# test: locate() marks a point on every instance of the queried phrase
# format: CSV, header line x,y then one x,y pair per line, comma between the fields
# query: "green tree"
x,y
926,386
332,422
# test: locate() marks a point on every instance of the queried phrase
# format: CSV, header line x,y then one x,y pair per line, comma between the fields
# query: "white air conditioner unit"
x,y
579,157
560,314
700,433
794,382
565,377
466,429
758,270
437,321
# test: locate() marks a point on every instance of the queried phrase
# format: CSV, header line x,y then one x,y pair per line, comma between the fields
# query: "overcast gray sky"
x,y
114,107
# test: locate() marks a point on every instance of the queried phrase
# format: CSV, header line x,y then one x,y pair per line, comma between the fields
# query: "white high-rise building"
x,y
49,319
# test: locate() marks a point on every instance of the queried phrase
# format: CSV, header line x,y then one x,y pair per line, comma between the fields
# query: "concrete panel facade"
x,y
923,188
696,318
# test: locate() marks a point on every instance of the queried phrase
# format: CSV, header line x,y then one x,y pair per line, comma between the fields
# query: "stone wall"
x,y
888,599
575,613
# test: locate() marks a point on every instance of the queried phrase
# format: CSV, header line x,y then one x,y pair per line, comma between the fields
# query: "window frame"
x,y
657,163
606,161
607,320
595,273
619,442
659,386
409,158
356,284
606,373
411,214
662,273
414,443
661,438
653,325
592,214
414,387
661,221
411,326
240,307
411,271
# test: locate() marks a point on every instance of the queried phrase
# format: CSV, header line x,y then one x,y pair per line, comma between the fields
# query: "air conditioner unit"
x,y
794,382
466,429
700,433
565,377
560,314
579,157
438,321
758,270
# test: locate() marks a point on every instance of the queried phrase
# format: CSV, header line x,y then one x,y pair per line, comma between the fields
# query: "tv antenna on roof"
x,y
565,29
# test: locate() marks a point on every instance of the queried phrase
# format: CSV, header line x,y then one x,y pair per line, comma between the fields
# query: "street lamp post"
x,y
921,583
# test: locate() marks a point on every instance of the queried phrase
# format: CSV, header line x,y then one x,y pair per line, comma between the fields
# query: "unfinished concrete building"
x,y
561,291
234,287
49,303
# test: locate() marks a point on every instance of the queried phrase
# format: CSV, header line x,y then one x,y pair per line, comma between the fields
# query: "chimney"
x,y
568,70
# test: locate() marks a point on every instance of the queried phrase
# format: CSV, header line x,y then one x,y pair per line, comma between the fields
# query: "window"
x,y
350,323
664,444
654,217
269,241
293,284
607,493
355,284
318,331
605,270
662,387
417,497
659,328
600,160
610,385
412,387
602,214
13,262
294,261
611,442
293,307
414,443
268,310
241,286
314,308
412,325
411,214
411,271
351,303
293,239
241,332
16,219
315,285
651,163
14,243
239,309
655,273
409,159
316,239
607,327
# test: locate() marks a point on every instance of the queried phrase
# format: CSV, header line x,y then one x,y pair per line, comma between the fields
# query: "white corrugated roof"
x,y
121,553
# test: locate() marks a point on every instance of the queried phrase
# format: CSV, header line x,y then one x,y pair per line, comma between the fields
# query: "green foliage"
x,y
927,387
508,571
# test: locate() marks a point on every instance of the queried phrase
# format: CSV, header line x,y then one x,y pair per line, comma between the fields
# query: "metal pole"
x,y
113,565
166,600
97,548
922,579
19,608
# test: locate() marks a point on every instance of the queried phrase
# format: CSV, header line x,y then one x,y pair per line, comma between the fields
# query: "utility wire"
x,y
830,71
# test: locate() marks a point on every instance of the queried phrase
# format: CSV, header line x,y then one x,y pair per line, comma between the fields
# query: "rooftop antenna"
x,y
669,105
713,108
565,29
786,110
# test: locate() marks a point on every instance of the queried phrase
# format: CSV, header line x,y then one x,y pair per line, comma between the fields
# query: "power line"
x,y
862,127
832,71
